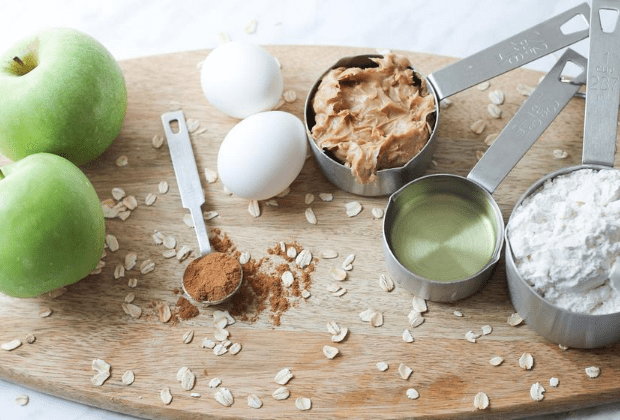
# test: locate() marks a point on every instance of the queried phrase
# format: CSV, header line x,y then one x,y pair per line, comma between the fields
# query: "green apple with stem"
x,y
52,229
61,92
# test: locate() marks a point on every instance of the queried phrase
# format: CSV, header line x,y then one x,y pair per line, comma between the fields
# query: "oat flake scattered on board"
x,y
415,318
458,313
330,352
111,242
283,376
377,213
537,392
11,345
254,208
158,141
163,187
289,96
132,310
353,208
386,283
404,371
303,403
407,337
560,154
496,361
526,361
224,397
188,336
329,254
514,319
496,97
310,216
382,366
554,382
419,304
471,336
487,329
412,394
326,196
128,378
122,161
494,111
254,401
481,401
150,199
44,313
165,396
593,371
147,266
215,382
478,126
483,86
281,393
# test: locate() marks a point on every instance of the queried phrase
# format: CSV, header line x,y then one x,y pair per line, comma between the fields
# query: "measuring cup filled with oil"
x,y
562,256
442,233
372,120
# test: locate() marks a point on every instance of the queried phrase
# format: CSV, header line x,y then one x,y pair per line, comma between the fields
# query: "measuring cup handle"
x,y
603,89
509,54
530,121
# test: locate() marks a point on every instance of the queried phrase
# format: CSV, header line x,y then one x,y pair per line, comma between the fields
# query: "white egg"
x,y
262,154
241,79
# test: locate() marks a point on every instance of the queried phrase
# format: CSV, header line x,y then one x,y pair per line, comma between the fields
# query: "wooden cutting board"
x,y
448,371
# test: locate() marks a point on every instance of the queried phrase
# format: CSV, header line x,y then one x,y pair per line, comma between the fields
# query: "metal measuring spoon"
x,y
511,53
442,263
188,180
568,328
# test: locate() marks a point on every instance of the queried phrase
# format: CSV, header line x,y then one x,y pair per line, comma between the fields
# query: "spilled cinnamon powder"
x,y
262,287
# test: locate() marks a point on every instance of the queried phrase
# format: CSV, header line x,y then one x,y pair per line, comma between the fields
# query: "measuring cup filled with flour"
x,y
442,233
372,119
563,237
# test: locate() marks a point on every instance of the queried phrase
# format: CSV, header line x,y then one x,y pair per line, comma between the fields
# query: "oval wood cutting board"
x,y
88,321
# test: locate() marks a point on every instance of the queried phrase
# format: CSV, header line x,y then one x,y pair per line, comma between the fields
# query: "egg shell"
x,y
262,155
241,79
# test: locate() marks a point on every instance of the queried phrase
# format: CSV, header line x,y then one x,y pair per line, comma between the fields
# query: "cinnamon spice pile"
x,y
262,287
212,277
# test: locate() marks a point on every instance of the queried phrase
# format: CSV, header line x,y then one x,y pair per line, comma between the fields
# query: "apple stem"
x,y
18,61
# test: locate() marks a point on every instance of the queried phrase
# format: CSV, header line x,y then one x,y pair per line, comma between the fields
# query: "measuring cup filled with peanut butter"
x,y
372,119
442,233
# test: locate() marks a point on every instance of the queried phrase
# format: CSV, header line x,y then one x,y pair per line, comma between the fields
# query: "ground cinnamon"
x,y
212,277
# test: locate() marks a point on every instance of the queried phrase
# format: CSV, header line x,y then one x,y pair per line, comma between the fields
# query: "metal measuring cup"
x,y
559,325
188,180
463,254
520,49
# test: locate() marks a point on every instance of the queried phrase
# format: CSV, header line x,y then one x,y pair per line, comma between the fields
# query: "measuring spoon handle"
x,y
528,124
603,89
186,173
509,54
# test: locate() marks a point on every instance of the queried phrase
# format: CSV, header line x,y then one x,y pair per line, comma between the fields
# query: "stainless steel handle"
x,y
186,173
509,54
603,89
528,124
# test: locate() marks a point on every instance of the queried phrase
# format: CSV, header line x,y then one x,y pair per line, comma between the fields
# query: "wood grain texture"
x,y
88,321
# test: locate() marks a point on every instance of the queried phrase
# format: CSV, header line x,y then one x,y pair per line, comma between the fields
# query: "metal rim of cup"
x,y
551,321
388,180
435,290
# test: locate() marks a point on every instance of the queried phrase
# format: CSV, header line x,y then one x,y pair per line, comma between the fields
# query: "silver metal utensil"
x,y
438,266
188,180
559,325
506,55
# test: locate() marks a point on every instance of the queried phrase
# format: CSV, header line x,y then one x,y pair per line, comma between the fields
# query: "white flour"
x,y
566,241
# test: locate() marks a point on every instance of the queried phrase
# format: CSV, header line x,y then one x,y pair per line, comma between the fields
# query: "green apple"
x,y
52,230
61,92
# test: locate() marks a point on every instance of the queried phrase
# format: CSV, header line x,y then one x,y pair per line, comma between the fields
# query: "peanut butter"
x,y
373,118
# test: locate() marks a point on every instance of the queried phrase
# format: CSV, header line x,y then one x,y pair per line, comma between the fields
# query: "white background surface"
x,y
133,28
